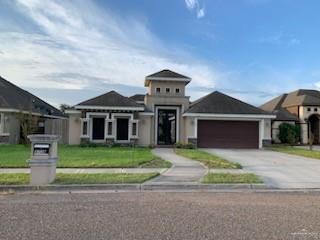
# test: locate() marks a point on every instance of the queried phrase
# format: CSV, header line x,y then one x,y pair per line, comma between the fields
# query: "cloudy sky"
x,y
68,51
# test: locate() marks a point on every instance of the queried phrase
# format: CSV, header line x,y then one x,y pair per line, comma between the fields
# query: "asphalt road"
x,y
160,216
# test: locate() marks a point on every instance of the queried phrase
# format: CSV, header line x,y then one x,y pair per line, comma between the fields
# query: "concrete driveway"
x,y
276,169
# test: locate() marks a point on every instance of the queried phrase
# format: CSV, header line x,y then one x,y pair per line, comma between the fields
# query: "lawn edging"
x,y
295,151
207,159
131,187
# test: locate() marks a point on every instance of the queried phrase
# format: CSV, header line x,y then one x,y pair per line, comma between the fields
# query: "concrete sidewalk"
x,y
183,170
90,170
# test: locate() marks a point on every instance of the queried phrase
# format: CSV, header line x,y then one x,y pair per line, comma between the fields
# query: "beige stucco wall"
x,y
166,84
164,99
152,100
13,128
74,129
189,126
267,129
145,126
303,115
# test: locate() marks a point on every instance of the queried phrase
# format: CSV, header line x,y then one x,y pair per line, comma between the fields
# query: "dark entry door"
x,y
314,128
167,126
228,134
122,129
98,128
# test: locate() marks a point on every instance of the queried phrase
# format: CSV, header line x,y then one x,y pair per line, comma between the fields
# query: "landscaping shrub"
x,y
184,145
289,133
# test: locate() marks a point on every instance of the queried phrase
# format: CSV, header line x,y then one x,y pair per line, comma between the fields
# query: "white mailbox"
x,y
44,157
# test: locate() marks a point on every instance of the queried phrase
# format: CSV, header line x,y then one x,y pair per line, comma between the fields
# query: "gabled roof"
x,y
17,99
302,97
275,106
219,103
138,97
166,75
110,100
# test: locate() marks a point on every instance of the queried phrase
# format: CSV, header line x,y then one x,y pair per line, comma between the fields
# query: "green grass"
x,y
297,151
231,178
210,160
14,178
103,178
14,156
80,178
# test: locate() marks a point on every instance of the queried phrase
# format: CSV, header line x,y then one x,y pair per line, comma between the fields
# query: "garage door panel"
x,y
228,134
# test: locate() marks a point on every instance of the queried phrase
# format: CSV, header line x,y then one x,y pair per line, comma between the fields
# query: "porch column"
x,y
304,132
261,133
1,123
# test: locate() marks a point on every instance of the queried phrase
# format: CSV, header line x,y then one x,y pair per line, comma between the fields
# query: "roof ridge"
x,y
241,101
218,102
104,99
28,94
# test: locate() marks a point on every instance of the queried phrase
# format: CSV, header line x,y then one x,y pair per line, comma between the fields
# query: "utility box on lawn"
x,y
44,157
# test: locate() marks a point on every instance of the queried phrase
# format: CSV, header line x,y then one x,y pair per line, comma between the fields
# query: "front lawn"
x,y
14,156
210,160
14,179
297,151
80,178
212,178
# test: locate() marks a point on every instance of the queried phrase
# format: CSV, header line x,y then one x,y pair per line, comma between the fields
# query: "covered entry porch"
x,y
109,127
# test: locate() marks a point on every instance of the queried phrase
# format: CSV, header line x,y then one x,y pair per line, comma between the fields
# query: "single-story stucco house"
x,y
16,104
165,116
299,107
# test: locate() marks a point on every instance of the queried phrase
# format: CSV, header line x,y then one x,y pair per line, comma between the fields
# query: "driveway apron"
x,y
183,170
278,170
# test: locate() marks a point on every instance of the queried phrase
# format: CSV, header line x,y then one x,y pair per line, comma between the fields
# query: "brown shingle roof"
x,y
219,103
166,73
275,106
302,97
110,99
138,97
13,97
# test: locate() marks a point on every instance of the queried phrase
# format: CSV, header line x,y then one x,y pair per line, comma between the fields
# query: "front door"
x,y
122,129
98,128
167,126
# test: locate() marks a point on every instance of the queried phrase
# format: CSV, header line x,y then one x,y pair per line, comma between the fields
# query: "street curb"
x,y
132,187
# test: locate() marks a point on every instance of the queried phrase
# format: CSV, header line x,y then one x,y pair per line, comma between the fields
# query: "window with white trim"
x,y
1,122
109,130
84,127
134,128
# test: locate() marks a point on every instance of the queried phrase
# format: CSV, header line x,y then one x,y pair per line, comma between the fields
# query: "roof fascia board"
x,y
169,79
213,115
13,110
109,108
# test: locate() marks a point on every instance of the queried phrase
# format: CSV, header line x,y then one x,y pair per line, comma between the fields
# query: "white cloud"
x,y
201,13
83,47
280,38
191,4
194,5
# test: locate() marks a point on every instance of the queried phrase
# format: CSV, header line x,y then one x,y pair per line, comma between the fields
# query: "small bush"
x,y
184,145
289,133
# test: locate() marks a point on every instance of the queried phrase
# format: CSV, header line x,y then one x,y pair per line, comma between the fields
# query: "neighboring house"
x,y
16,104
165,116
298,107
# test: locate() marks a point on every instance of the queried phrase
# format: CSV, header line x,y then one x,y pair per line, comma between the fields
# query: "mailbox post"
x,y
44,157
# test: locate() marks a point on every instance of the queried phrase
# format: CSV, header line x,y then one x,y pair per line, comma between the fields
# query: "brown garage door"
x,y
228,134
